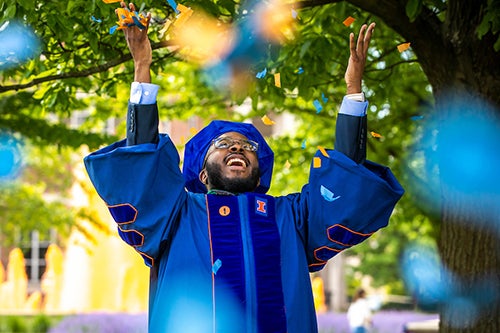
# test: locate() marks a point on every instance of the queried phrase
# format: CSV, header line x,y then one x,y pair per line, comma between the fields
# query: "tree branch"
x,y
83,73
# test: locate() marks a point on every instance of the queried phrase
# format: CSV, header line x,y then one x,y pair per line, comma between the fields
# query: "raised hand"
x,y
357,59
140,47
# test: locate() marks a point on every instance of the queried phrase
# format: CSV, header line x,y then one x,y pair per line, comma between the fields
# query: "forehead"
x,y
232,135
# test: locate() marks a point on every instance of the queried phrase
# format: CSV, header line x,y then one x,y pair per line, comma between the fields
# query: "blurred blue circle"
x,y
11,160
19,44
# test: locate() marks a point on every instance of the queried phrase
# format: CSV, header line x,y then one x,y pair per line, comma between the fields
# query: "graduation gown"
x,y
237,263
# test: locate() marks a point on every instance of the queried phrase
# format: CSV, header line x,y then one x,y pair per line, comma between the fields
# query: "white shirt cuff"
x,y
143,93
353,106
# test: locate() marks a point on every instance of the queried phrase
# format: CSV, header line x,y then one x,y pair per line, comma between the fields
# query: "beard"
x,y
233,185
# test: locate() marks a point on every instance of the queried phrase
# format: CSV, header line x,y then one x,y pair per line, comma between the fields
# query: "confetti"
x,y
375,135
348,21
184,15
287,165
126,19
323,151
318,106
204,39
173,4
327,194
95,19
294,13
261,74
193,131
111,1
403,47
324,98
299,70
417,117
11,157
216,266
18,44
267,121
273,20
303,145
277,80
316,162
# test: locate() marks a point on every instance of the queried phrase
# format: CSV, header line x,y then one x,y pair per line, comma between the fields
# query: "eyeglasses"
x,y
227,142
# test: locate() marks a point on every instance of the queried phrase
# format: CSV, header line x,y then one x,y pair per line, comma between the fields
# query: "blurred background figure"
x,y
359,313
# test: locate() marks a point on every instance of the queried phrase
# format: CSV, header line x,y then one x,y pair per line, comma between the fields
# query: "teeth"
x,y
236,161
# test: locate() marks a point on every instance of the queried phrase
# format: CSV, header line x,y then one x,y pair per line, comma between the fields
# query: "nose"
x,y
236,146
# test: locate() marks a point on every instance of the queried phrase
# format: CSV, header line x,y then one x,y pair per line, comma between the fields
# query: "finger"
x,y
368,37
352,45
361,38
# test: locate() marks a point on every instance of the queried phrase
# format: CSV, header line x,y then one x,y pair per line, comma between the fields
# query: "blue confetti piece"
x,y
294,13
137,22
417,117
260,75
113,29
216,266
324,98
303,146
327,194
300,70
173,4
95,19
318,106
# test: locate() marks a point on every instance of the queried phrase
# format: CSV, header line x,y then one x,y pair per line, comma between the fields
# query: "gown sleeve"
x,y
343,204
143,188
347,198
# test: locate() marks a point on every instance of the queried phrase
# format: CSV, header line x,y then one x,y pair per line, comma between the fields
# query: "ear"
x,y
203,176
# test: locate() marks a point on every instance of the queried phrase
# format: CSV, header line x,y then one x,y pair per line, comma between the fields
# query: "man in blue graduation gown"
x,y
224,256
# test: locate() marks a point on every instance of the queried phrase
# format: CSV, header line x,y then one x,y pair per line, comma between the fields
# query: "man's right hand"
x,y
140,47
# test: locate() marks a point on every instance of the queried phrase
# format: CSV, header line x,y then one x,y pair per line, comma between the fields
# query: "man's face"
x,y
230,165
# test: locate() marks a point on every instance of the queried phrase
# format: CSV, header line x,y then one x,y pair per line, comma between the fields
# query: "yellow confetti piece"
x,y
111,1
375,135
287,165
267,121
193,131
277,80
348,21
186,13
403,47
316,162
323,151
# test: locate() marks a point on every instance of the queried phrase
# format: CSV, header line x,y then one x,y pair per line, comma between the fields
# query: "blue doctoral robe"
x,y
237,263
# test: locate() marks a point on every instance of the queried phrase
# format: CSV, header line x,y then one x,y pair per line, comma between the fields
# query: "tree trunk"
x,y
469,241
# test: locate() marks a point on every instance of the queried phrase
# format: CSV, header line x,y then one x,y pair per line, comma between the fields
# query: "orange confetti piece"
x,y
348,21
267,121
403,47
287,165
316,162
323,151
277,80
375,135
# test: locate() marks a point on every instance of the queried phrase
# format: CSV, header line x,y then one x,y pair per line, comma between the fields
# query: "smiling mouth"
x,y
236,161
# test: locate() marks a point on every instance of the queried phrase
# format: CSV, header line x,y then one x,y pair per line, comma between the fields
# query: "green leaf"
x,y
413,9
